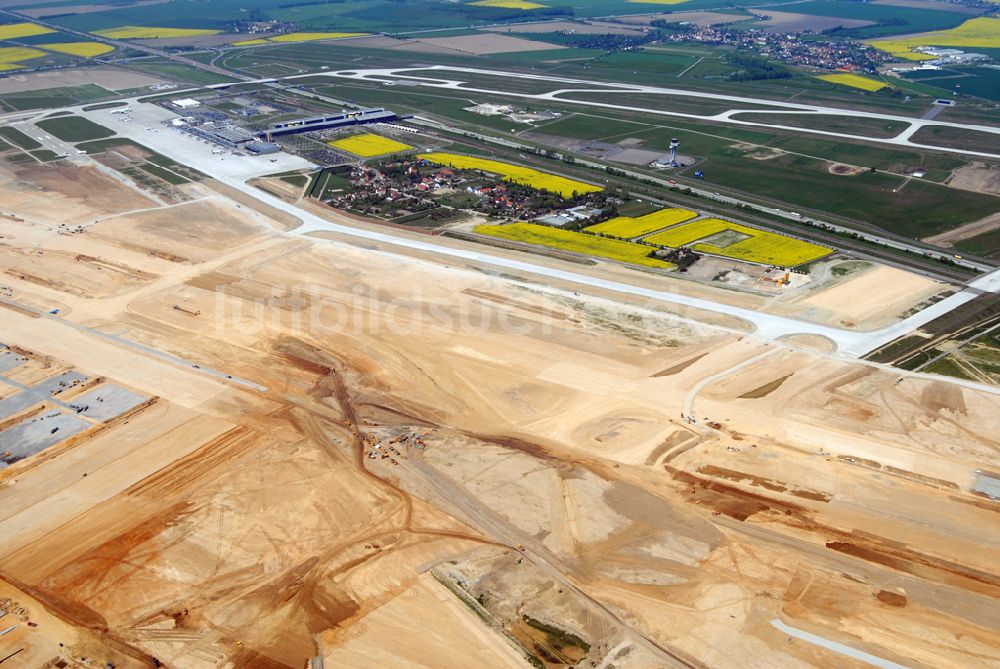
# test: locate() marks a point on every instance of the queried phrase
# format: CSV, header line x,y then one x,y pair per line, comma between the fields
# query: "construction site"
x,y
237,434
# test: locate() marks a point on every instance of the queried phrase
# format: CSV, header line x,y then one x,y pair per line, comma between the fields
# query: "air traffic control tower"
x,y
664,163
674,144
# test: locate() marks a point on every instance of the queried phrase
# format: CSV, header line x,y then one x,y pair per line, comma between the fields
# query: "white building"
x,y
185,103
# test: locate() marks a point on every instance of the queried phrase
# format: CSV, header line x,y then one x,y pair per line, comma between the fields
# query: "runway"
x,y
433,80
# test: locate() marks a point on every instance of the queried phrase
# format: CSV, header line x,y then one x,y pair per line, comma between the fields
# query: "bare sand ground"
x,y
82,194
112,78
388,638
193,231
441,465
872,298
976,177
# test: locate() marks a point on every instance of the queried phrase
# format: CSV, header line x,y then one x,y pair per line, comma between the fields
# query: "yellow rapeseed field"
x,y
515,173
577,242
507,4
854,81
82,49
18,30
249,42
629,228
982,32
758,246
7,67
310,37
368,145
15,54
152,32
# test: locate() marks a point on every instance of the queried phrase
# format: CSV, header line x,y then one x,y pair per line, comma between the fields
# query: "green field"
x,y
671,103
74,129
63,96
986,244
628,66
869,127
983,82
745,160
18,138
959,138
45,155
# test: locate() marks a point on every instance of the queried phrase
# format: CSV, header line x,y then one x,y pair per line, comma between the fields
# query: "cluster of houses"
x,y
789,47
396,189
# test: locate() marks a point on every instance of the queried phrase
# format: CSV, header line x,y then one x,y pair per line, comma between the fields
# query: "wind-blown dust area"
x,y
373,459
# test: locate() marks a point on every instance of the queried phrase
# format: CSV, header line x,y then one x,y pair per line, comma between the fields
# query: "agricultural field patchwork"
x,y
19,30
368,145
249,42
152,32
740,242
982,32
854,81
576,242
12,55
514,173
82,49
626,227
